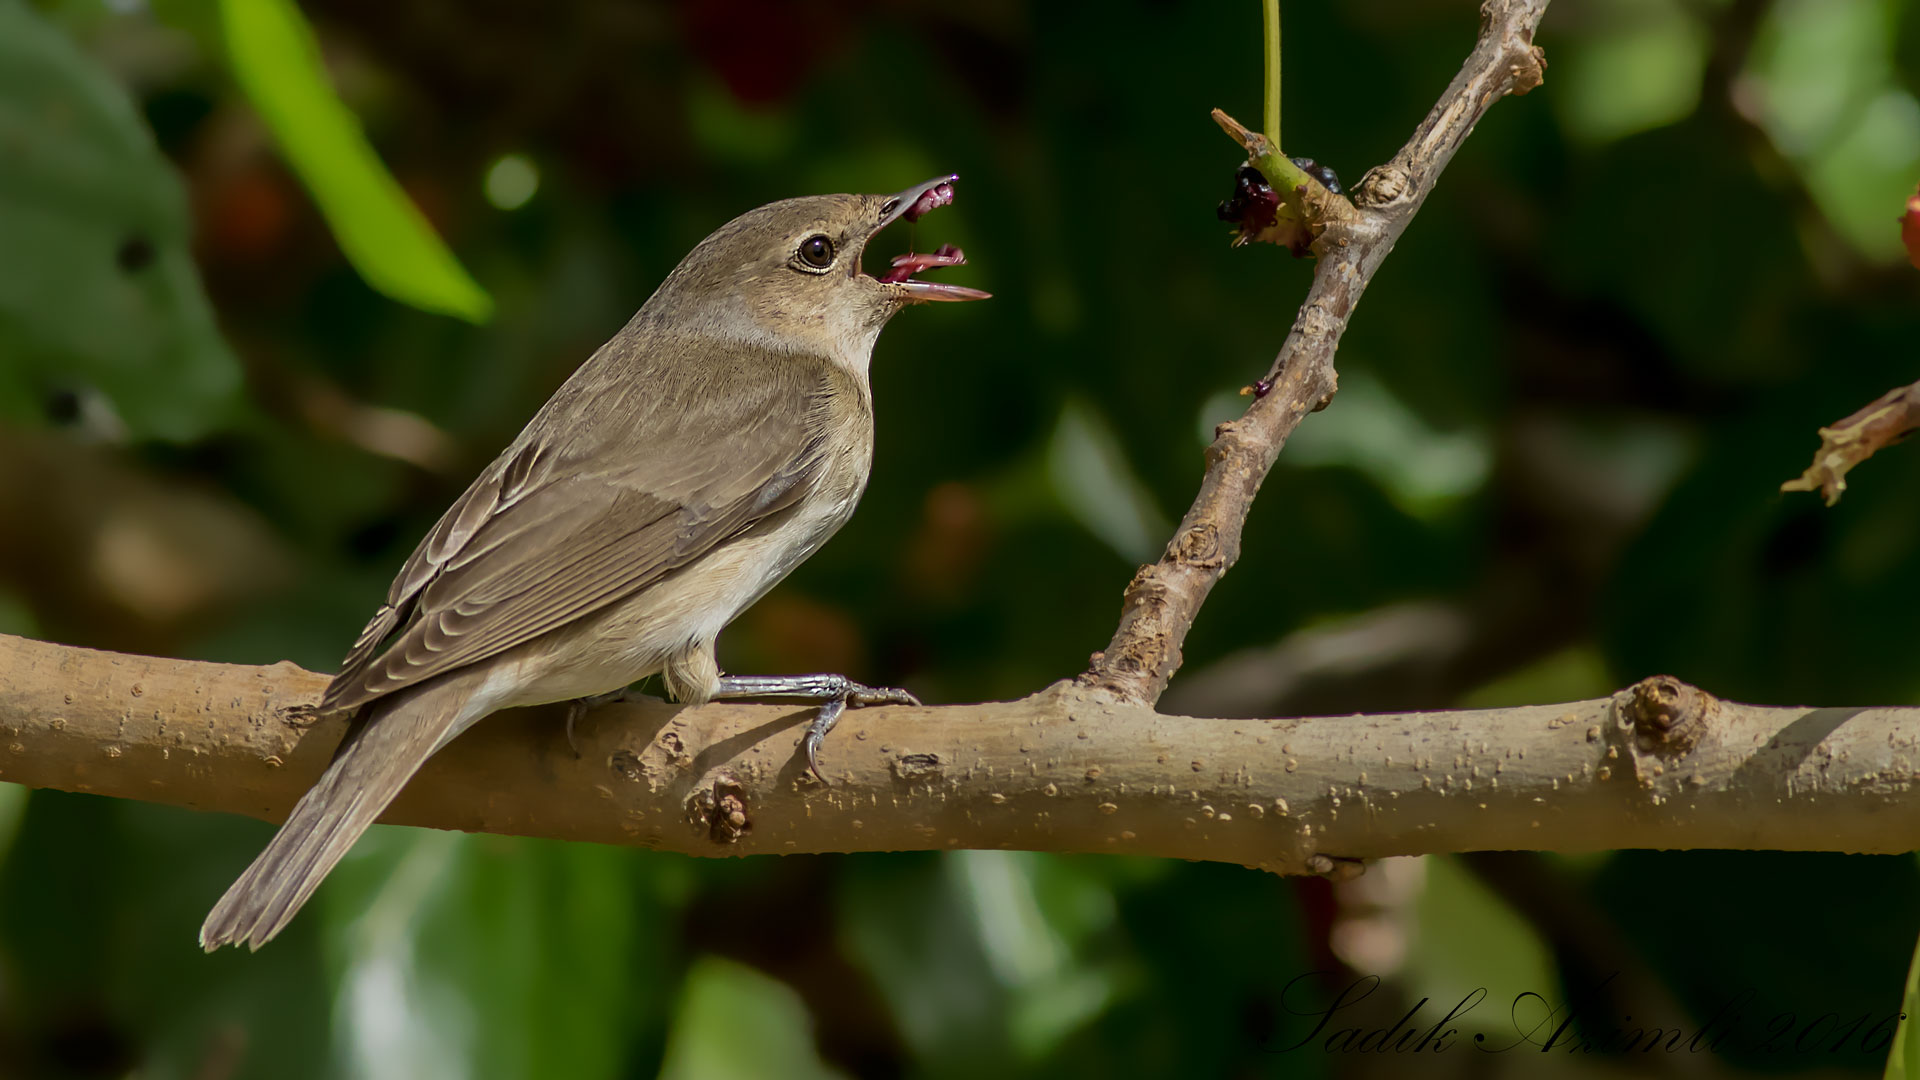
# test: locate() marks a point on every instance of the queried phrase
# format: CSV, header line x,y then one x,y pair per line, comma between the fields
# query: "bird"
x,y
709,447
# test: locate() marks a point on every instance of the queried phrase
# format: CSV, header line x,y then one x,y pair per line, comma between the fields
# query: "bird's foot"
x,y
833,692
579,707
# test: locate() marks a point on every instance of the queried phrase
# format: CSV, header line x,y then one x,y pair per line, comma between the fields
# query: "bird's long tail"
x,y
368,771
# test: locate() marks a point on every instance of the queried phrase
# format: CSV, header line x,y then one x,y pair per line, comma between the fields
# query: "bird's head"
x,y
789,273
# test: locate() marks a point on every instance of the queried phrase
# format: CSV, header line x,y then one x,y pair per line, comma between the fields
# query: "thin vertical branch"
x,y
1271,27
1162,601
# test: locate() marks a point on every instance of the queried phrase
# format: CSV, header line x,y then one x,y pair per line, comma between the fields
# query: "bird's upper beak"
x,y
917,200
911,204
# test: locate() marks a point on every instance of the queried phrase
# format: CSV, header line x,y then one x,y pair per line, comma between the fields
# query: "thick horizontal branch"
x,y
1660,765
1161,602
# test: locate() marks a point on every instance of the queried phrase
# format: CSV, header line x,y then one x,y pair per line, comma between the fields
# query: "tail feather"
x,y
367,773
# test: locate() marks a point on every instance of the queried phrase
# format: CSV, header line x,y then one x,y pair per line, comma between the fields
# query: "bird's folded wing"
x,y
545,537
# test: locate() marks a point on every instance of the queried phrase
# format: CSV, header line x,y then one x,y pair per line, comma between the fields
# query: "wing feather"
x,y
588,508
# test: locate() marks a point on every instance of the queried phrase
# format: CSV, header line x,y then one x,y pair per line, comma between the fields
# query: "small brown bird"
x,y
692,462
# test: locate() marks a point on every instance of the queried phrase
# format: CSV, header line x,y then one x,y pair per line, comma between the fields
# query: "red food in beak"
x,y
912,204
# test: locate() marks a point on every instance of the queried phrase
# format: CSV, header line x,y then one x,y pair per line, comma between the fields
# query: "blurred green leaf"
x,y
904,917
484,956
730,131
1035,914
389,241
1638,70
1466,937
1215,958
1020,941
1088,466
13,806
1903,1062
16,617
98,289
1425,470
1863,179
1823,78
734,1023
1817,61
1572,674
264,1014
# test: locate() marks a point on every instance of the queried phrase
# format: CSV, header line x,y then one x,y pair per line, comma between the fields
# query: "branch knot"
x,y
1199,546
1382,186
1668,716
723,808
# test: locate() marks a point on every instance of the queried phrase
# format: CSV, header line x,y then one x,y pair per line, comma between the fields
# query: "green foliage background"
x,y
1566,406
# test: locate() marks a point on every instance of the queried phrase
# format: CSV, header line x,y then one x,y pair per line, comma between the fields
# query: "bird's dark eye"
x,y
817,252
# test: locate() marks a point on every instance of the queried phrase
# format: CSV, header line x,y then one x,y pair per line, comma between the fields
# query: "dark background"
x,y
1566,406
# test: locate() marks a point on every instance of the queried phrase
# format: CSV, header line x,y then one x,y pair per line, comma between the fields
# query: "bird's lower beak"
x,y
911,204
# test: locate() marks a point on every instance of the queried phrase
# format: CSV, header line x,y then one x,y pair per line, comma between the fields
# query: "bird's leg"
x,y
833,692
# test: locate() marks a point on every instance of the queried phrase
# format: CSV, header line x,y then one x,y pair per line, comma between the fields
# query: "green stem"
x,y
1270,23
1286,177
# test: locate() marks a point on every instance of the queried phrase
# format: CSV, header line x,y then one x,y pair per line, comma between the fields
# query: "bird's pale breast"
x,y
672,624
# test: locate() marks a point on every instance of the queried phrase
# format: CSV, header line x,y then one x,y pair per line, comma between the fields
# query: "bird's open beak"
x,y
911,204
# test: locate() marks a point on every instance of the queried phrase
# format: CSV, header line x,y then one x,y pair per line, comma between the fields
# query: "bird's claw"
x,y
827,715
830,711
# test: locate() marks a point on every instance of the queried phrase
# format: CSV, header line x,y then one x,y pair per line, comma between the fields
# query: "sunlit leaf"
x,y
734,1023
97,290
388,240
